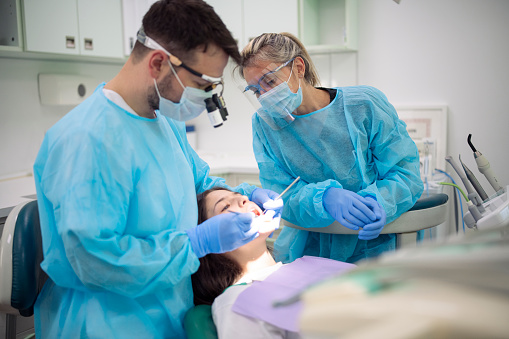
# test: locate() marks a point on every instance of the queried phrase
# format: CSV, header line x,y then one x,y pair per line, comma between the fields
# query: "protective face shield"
x,y
275,100
193,99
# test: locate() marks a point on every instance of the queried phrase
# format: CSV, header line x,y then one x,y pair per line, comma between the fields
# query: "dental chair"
x,y
427,212
21,277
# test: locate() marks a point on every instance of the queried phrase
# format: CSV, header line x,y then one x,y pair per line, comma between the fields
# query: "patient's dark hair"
x,y
217,271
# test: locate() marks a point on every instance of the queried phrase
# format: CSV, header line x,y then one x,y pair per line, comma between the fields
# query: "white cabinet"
x,y
328,25
269,16
248,19
10,26
133,12
80,27
322,25
232,13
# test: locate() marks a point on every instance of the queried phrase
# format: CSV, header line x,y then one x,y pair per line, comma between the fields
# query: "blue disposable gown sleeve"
x,y
386,152
204,181
303,201
93,230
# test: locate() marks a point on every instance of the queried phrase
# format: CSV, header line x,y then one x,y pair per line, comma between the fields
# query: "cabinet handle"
x,y
89,44
70,42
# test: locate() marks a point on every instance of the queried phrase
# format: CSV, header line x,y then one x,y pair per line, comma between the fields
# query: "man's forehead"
x,y
210,61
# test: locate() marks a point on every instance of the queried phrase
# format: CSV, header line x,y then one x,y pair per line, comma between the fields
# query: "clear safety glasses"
x,y
269,80
215,105
152,44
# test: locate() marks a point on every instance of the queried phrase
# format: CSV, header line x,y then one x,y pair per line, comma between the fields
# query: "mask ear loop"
x,y
175,73
291,71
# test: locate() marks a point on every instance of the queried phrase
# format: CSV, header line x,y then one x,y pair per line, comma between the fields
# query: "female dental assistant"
x,y
116,186
356,161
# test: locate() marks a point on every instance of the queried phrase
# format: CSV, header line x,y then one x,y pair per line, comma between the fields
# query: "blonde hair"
x,y
278,47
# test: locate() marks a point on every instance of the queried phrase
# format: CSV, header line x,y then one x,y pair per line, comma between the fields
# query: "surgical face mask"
x,y
278,105
191,104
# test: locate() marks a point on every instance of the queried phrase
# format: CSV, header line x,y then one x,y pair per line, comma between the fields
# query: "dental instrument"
x,y
474,211
473,180
472,194
286,189
484,166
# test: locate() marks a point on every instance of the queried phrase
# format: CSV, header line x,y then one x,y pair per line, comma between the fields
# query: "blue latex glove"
x,y
371,231
222,233
265,199
348,208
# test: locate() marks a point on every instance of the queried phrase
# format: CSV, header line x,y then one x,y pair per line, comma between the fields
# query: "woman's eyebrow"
x,y
217,202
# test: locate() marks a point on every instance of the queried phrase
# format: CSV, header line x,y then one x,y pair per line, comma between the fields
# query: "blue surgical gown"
x,y
357,143
116,193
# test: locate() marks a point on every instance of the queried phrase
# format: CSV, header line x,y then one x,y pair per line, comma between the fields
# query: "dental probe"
x,y
286,189
484,166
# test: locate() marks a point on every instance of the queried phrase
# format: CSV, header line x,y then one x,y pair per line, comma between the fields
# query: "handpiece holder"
x,y
496,212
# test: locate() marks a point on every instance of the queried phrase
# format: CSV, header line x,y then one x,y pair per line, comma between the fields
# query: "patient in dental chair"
x,y
238,269
221,278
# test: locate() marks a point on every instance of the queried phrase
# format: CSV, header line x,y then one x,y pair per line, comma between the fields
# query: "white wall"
x,y
452,52
23,120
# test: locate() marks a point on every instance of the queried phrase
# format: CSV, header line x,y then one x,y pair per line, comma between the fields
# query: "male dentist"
x,y
117,181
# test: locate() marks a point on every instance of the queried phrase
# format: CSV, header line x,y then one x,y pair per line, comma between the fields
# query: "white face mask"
x,y
191,104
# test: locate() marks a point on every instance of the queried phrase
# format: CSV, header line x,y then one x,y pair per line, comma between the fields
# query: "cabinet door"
x,y
100,28
51,26
269,16
231,13
133,13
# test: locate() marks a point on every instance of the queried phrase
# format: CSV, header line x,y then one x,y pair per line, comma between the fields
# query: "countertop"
x,y
231,162
15,191
21,188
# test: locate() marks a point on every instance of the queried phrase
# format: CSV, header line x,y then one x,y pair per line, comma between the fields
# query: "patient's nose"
x,y
243,200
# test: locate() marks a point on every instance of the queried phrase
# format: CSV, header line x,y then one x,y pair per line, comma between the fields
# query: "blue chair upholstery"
x,y
21,277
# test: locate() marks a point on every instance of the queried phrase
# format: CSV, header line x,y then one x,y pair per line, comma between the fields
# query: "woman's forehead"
x,y
258,70
215,196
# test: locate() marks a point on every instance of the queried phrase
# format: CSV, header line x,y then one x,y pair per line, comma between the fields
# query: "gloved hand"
x,y
222,233
348,208
265,199
266,223
372,231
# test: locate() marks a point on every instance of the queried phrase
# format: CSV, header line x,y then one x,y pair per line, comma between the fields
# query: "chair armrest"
x,y
426,213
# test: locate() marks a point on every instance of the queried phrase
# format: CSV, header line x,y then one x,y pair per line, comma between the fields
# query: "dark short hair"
x,y
217,271
181,26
